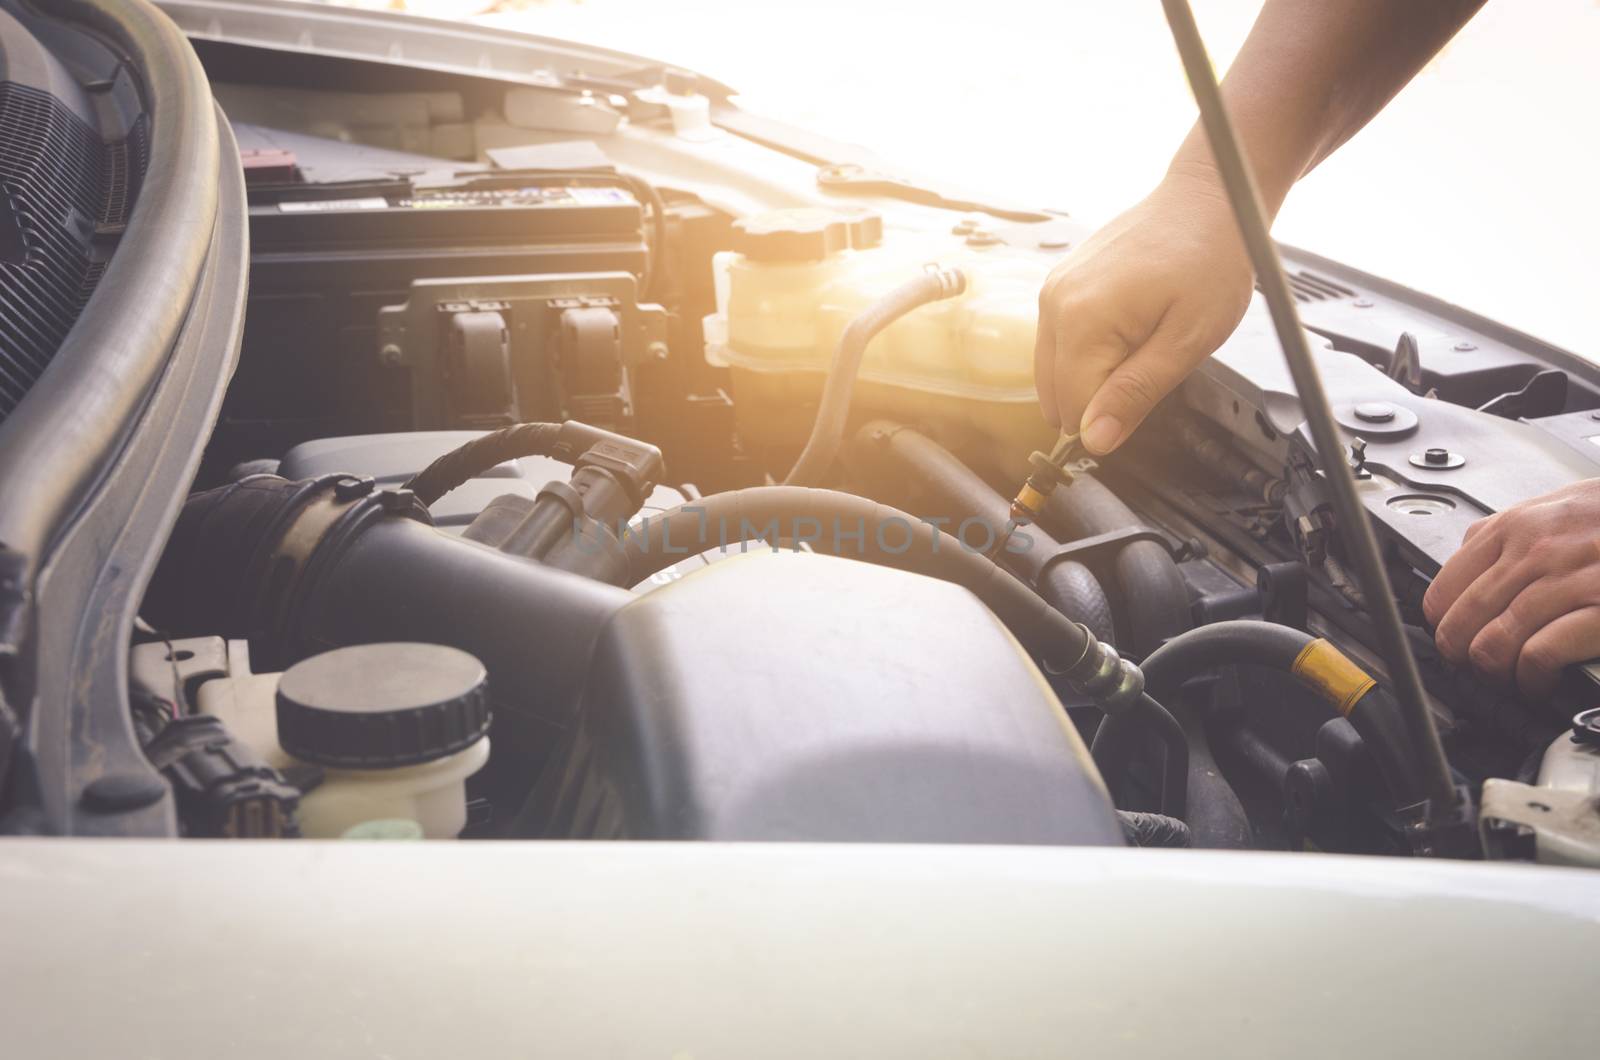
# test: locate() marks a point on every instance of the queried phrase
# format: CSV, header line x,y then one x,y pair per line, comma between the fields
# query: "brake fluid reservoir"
x,y
395,728
800,277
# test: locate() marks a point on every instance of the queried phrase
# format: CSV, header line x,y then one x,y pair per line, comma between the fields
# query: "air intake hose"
x,y
301,567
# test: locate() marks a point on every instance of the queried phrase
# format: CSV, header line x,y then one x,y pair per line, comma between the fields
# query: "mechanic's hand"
x,y
1521,599
1137,307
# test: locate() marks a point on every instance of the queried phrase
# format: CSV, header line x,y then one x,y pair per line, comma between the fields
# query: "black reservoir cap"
x,y
375,706
865,227
792,236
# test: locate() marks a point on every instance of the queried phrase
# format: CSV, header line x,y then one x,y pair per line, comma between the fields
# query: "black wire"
x,y
479,455
1444,806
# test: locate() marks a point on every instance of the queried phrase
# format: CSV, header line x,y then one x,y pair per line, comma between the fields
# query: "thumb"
x,y
1137,385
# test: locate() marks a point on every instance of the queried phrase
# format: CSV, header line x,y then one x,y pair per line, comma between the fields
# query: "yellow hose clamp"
x,y
1328,670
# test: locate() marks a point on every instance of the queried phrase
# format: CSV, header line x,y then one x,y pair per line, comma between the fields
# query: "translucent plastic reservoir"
x,y
965,363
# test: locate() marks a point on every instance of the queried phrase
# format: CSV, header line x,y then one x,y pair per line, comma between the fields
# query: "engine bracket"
x,y
1097,550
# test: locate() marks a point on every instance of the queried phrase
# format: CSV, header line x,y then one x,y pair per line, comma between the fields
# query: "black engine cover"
x,y
803,697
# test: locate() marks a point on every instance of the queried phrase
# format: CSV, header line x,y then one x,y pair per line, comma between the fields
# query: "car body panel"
x,y
720,950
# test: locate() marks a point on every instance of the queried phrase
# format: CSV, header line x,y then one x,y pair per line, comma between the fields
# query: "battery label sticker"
x,y
326,205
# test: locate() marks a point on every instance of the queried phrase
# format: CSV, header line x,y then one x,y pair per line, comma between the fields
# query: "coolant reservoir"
x,y
395,728
801,276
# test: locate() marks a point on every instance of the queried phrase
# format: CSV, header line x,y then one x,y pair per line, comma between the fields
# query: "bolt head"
x,y
391,355
1374,412
1438,458
1464,346
1362,303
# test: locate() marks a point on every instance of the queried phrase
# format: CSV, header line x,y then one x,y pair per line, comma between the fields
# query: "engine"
x,y
564,495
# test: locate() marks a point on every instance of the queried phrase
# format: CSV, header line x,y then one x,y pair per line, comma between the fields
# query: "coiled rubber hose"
x,y
833,412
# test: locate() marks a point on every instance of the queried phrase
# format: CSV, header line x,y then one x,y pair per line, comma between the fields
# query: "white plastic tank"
x,y
785,298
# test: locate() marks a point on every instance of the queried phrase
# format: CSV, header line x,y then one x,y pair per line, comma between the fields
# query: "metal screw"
x,y
391,355
1362,303
657,351
1464,346
1374,412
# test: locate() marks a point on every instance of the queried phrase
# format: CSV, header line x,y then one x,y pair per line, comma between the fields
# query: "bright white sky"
x,y
1480,183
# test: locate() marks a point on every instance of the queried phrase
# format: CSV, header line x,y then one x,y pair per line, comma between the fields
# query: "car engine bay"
x,y
599,465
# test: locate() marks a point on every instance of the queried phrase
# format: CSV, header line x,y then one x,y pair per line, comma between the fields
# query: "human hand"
x,y
1127,315
1521,598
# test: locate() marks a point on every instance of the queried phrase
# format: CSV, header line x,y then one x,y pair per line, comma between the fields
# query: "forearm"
x,y
1312,73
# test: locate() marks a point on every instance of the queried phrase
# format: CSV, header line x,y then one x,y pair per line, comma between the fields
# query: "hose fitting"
x,y
1050,470
1100,673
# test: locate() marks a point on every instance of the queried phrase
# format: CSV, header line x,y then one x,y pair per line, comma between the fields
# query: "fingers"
x,y
1075,348
1044,358
1494,651
1476,555
1481,602
1136,384
1521,598
1574,637
1086,360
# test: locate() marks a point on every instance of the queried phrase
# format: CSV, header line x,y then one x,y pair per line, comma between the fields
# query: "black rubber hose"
x,y
1216,817
1154,598
1373,715
956,493
833,411
857,528
1072,589
1153,829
